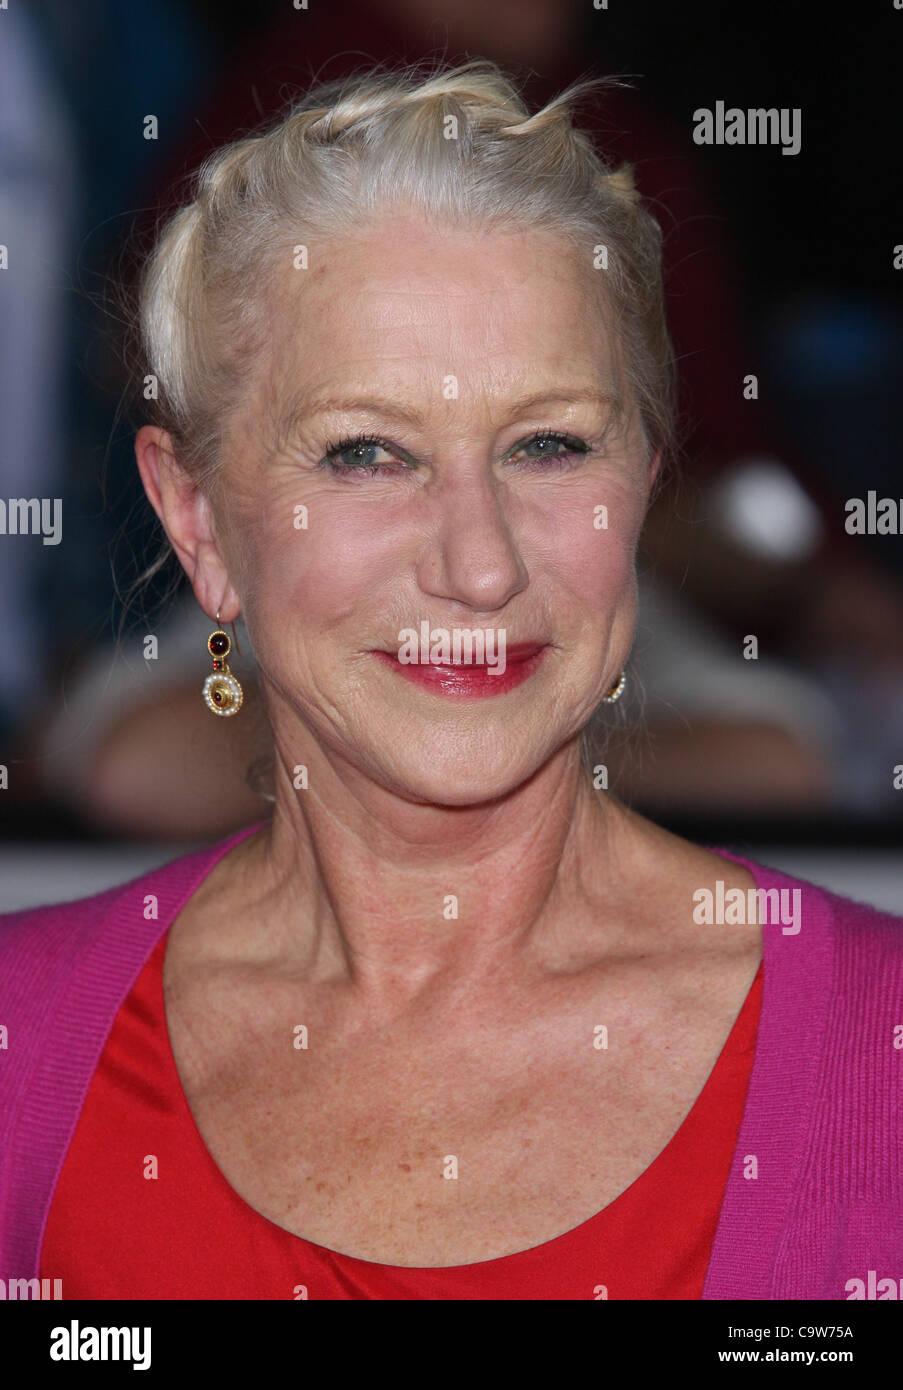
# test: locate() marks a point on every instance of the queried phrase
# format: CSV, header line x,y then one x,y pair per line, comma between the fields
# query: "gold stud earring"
x,y
616,691
222,692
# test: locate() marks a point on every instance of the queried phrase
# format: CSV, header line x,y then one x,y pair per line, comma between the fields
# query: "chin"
x,y
469,773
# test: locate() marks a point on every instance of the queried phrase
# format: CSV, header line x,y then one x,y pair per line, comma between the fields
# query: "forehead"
x,y
407,304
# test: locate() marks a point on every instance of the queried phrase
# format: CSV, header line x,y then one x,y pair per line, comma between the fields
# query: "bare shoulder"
x,y
675,874
672,860
208,926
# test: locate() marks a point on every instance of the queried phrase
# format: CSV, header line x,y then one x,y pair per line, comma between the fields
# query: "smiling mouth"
x,y
473,679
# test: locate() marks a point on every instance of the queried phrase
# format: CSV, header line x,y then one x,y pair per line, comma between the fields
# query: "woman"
x,y
455,1023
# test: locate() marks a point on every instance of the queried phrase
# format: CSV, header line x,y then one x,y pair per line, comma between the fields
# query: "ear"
x,y
184,510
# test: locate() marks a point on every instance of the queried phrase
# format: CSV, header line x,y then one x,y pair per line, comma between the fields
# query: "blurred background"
x,y
783,274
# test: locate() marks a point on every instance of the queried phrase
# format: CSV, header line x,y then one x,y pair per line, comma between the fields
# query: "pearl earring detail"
x,y
222,692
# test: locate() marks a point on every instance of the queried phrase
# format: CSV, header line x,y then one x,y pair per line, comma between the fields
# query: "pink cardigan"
x,y
814,1200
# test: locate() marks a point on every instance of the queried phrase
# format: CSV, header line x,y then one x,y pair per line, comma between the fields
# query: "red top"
x,y
115,1231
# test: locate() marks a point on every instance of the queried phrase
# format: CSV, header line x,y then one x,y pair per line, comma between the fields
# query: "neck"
x,y
352,882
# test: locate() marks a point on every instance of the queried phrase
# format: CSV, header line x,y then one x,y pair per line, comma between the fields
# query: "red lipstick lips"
x,y
476,680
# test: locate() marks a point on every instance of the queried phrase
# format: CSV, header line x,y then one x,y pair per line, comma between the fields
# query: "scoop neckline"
x,y
176,1088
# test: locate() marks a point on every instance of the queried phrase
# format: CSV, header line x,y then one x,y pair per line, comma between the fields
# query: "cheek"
x,y
599,567
325,564
590,550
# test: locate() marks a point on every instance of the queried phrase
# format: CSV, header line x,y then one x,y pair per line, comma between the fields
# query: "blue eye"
x,y
363,445
571,447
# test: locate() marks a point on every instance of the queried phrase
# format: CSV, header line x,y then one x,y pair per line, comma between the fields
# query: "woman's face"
x,y
463,352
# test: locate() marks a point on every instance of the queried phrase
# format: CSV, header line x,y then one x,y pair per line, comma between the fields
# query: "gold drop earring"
x,y
616,691
222,692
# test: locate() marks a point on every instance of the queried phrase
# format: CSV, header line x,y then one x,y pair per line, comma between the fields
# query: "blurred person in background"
x,y
73,163
39,184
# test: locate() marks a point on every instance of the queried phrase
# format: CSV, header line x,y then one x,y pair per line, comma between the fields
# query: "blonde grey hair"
x,y
345,154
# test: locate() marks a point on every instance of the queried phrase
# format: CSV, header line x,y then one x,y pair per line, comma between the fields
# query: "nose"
x,y
471,557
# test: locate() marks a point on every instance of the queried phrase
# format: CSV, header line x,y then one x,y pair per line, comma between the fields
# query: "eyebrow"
x,y
394,410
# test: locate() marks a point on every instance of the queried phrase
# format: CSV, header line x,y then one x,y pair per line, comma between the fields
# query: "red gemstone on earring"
x,y
218,697
217,665
219,644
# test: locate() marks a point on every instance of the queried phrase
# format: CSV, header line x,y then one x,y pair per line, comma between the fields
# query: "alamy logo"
x,y
32,516
76,1343
460,647
873,1287
23,1289
767,906
756,126
873,515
